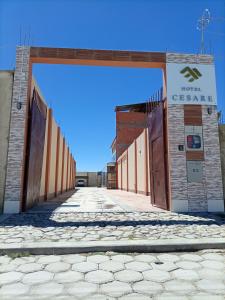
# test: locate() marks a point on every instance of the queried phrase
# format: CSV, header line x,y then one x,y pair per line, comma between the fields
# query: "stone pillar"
x,y
15,163
213,174
194,196
222,153
177,159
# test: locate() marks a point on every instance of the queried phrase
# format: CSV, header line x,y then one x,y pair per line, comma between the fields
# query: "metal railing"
x,y
154,100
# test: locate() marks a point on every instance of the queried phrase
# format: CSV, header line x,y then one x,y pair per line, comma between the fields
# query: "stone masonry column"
x,y
16,151
213,172
177,159
206,193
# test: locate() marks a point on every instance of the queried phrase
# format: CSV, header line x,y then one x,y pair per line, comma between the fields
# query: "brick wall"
x,y
129,125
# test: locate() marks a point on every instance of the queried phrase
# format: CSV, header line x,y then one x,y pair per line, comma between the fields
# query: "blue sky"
x,y
83,98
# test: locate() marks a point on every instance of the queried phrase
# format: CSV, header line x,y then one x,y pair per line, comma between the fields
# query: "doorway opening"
x,y
111,59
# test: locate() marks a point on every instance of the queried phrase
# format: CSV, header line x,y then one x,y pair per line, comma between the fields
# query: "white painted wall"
x,y
53,158
6,85
143,169
124,172
119,174
131,166
141,163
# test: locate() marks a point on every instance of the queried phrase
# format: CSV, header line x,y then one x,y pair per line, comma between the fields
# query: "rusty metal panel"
x,y
35,151
158,178
191,155
97,55
192,115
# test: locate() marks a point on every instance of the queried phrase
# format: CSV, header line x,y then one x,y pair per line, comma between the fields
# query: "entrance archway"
x,y
181,192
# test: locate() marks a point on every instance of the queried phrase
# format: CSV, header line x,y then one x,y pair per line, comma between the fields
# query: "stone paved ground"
x,y
93,199
47,227
111,275
86,199
59,221
199,275
138,202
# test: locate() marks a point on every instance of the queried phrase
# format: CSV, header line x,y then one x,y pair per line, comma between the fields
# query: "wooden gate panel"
x,y
157,146
35,151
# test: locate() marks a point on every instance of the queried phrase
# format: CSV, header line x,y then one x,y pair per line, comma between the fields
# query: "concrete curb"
x,y
172,245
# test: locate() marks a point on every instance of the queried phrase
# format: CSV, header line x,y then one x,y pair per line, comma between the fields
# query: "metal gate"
x,y
157,154
35,150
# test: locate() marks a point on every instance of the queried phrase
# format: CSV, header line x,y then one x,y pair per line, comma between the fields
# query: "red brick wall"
x,y
129,126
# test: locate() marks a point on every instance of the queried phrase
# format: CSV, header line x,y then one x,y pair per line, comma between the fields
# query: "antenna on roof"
x,y
29,34
202,23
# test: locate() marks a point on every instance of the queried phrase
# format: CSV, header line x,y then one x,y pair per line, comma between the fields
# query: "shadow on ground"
x,y
54,203
112,219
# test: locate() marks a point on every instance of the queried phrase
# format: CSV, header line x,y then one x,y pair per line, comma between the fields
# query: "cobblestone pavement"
x,y
198,275
59,221
47,227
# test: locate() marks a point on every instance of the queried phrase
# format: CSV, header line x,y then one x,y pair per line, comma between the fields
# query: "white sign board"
x,y
191,84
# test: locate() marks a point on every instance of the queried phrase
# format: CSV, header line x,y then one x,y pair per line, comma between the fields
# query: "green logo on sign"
x,y
192,74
